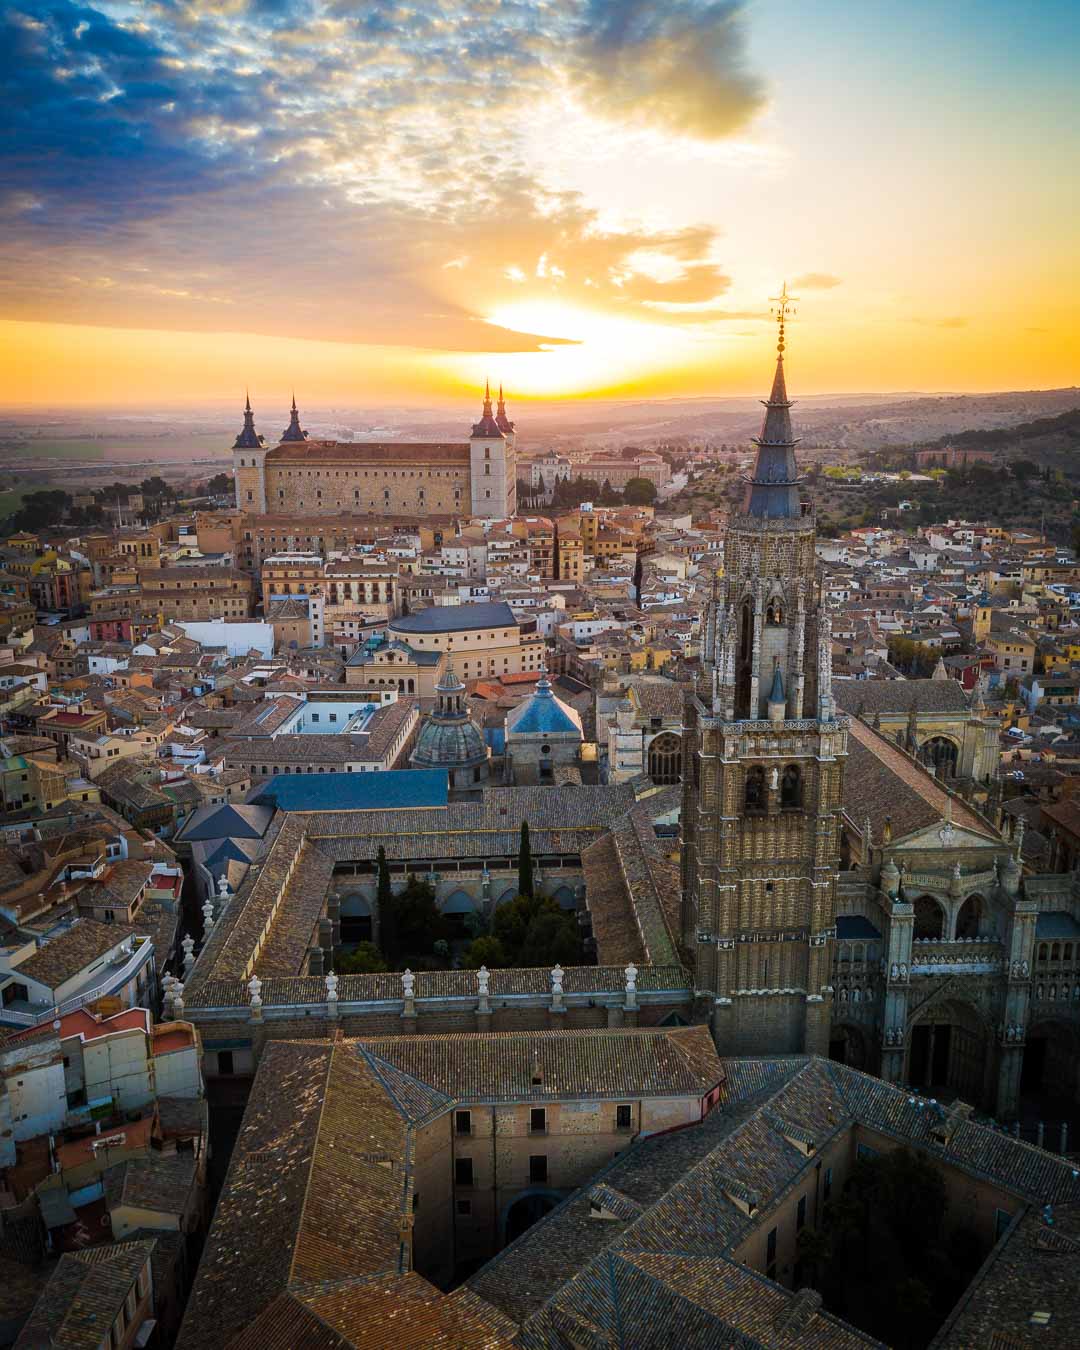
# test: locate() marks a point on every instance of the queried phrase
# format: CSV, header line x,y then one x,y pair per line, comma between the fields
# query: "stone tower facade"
x,y
763,757
249,465
492,464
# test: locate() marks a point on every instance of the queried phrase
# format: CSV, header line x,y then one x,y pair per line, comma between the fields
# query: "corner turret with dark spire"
x,y
487,429
249,438
294,431
772,490
501,419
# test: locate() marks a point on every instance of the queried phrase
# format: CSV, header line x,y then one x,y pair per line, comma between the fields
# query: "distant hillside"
x,y
1065,427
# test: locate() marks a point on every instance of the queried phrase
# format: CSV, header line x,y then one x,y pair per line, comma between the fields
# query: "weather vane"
x,y
782,305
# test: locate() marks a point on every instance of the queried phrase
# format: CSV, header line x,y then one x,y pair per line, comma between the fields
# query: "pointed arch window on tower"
x,y
754,799
774,615
791,788
746,631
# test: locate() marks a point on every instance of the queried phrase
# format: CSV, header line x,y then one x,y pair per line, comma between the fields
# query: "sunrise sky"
x,y
389,202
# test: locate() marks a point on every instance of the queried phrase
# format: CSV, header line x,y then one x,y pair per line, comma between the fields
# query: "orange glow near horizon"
x,y
57,366
599,211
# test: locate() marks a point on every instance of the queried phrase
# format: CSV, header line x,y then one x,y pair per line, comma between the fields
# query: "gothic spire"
x,y
249,438
504,423
294,431
487,428
773,489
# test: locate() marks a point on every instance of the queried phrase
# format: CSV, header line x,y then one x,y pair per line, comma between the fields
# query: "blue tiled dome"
x,y
543,715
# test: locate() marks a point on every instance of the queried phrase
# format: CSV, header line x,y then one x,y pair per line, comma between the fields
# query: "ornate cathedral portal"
x,y
763,756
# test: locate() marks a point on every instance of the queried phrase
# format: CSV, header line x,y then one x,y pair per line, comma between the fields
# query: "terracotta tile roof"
x,y
1032,1270
386,1314
633,893
159,1182
578,1065
675,1218
319,1189
867,697
370,452
659,698
83,1296
249,1252
883,782
294,926
70,952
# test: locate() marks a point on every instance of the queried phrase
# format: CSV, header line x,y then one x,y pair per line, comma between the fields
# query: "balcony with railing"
x,y
125,967
961,956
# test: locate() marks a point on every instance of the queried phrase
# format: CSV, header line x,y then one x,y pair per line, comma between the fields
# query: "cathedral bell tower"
x,y
764,759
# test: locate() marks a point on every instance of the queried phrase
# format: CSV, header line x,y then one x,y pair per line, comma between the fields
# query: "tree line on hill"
x,y
569,493
54,506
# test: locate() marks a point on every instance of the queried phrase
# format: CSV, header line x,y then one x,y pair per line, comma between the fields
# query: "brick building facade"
x,y
477,477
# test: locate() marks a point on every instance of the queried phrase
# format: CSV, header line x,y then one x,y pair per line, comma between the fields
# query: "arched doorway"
x,y
847,1045
969,919
665,759
929,918
530,1206
940,754
355,919
950,1051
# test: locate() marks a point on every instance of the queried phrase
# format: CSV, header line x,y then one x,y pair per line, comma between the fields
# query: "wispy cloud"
x,y
816,281
323,169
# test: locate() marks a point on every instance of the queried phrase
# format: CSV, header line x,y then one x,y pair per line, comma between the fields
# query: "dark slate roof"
x,y
1057,924
868,697
772,491
393,789
454,618
227,821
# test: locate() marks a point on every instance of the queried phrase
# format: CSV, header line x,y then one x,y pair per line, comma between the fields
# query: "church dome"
x,y
449,738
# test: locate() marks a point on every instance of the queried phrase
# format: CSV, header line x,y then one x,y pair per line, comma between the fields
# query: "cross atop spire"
x,y
781,304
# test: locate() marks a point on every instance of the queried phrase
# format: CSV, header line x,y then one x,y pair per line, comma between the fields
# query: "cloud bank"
x,y
317,168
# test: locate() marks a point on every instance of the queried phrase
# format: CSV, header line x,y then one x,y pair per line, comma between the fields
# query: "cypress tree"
x,y
384,896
